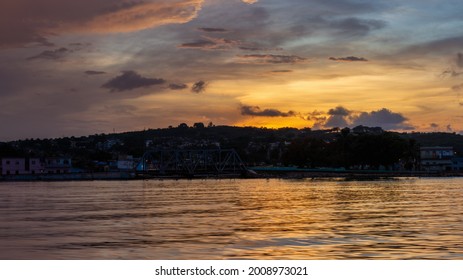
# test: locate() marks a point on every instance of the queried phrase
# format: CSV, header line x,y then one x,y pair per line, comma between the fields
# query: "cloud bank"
x,y
342,117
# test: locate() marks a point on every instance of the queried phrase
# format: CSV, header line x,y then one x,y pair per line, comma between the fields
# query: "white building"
x,y
436,158
58,165
21,166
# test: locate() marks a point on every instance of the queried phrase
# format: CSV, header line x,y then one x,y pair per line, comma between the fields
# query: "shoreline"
x,y
251,174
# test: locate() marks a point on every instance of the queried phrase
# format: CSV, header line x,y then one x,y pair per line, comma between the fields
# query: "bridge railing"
x,y
191,162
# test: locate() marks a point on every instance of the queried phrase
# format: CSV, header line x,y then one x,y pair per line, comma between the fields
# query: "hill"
x,y
289,146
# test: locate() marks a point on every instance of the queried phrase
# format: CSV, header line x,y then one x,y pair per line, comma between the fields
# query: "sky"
x,y
72,68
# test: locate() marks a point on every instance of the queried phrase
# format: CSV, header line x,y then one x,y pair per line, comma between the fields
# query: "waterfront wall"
x,y
71,176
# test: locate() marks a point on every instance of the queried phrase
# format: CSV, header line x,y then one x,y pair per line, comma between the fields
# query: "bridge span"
x,y
191,163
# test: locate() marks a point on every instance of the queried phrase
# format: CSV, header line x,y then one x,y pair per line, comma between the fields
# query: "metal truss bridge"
x,y
191,162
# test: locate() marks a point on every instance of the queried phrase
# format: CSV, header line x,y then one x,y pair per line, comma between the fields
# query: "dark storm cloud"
x,y
199,87
349,59
257,112
51,55
130,80
213,30
271,59
92,72
177,86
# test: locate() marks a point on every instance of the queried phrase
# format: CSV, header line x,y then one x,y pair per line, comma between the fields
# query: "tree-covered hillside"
x,y
360,146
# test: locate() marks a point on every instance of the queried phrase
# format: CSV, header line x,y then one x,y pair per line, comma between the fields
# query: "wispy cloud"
x,y
34,21
459,60
451,73
92,72
57,54
455,68
439,46
349,59
178,86
281,71
211,43
199,87
213,30
352,27
271,59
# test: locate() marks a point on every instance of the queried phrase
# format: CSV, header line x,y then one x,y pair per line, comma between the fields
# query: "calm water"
x,y
233,219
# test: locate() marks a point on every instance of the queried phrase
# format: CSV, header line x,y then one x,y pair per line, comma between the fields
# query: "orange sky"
x,y
84,67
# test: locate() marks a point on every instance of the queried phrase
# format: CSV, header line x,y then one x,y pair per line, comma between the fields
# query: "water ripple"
x,y
233,219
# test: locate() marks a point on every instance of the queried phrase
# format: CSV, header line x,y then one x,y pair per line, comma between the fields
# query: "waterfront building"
x,y
436,158
126,163
58,165
21,166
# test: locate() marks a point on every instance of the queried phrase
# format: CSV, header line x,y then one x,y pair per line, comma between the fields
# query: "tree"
x,y
183,126
199,125
307,152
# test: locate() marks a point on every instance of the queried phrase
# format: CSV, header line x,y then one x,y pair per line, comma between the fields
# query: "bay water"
x,y
409,218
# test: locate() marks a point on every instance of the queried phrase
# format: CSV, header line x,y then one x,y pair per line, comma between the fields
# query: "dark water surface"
x,y
233,219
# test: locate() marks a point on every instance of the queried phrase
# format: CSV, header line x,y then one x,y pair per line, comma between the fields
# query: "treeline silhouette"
x,y
351,150
360,147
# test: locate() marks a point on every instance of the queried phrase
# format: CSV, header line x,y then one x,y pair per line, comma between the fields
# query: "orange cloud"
x,y
250,1
24,21
143,16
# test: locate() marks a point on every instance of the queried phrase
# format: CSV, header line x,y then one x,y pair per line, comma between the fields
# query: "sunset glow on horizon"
x,y
84,67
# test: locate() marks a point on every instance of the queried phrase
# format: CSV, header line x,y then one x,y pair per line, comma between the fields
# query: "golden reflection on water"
x,y
233,219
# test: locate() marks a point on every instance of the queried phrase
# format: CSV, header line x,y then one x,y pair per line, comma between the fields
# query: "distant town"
x,y
215,149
